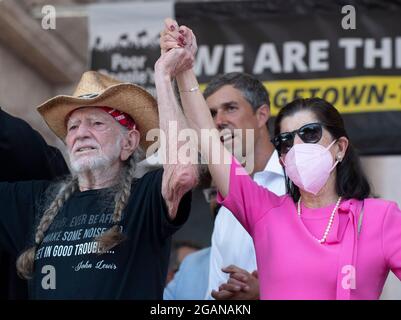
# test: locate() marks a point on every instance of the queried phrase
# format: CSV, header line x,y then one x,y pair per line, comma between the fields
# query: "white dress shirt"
x,y
231,243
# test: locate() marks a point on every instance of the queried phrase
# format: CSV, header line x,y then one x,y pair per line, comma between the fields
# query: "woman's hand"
x,y
173,62
177,38
174,36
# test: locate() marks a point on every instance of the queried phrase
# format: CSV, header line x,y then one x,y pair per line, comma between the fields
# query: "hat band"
x,y
121,117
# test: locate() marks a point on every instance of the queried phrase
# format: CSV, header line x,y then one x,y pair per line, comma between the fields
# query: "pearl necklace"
x,y
326,232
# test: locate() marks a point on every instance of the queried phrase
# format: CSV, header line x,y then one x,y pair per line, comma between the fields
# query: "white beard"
x,y
94,161
90,163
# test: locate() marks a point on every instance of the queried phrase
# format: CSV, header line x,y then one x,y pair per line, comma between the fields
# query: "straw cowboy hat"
x,y
96,89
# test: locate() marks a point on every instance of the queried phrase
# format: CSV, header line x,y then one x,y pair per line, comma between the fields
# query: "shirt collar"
x,y
273,166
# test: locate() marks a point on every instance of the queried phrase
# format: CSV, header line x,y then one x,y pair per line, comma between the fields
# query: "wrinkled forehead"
x,y
82,113
297,120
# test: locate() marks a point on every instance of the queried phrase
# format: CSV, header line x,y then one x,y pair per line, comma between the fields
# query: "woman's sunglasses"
x,y
309,133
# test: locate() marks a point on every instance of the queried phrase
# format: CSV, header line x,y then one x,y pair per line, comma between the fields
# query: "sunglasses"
x,y
309,133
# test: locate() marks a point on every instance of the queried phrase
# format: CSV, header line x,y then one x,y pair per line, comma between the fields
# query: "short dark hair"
x,y
176,245
351,181
251,88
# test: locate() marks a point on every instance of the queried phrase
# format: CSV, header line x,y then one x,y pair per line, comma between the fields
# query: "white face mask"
x,y
309,165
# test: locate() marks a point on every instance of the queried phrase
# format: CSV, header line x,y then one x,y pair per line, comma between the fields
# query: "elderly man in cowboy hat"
x,y
100,233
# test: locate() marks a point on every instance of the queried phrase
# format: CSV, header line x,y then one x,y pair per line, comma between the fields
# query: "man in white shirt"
x,y
239,101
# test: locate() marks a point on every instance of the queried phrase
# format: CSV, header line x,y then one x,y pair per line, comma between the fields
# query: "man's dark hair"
x,y
176,245
251,88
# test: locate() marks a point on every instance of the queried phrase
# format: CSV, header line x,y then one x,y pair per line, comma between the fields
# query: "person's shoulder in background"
x,y
25,155
191,280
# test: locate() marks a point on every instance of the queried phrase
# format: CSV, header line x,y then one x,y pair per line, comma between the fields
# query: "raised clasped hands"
x,y
178,47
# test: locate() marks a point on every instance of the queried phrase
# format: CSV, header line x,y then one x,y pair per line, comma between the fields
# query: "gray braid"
x,y
123,196
25,262
114,236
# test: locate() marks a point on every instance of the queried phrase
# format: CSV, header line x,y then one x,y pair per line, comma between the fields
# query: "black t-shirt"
x,y
67,265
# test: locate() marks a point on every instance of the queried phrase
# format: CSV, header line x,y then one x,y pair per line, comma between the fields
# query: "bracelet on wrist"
x,y
193,89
